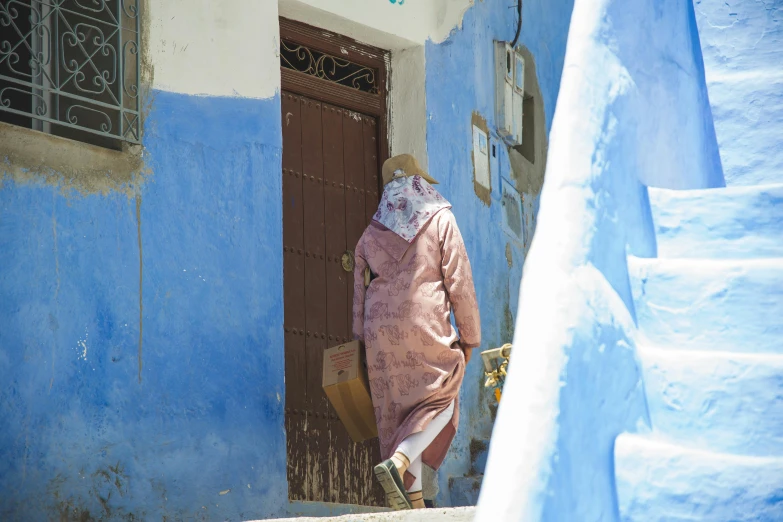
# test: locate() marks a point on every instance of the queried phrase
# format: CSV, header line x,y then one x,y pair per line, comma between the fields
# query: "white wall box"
x,y
481,157
509,92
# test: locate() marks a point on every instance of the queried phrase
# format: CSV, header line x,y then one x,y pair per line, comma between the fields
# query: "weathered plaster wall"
x,y
460,88
138,377
742,41
413,21
141,360
141,349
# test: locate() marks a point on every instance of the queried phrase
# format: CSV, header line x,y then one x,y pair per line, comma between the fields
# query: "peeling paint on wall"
x,y
30,157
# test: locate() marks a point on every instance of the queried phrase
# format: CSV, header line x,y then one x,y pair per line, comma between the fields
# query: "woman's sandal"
x,y
387,474
417,499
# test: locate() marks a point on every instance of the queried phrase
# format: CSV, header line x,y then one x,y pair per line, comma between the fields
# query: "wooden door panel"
x,y
293,215
371,171
325,164
315,247
293,296
336,245
354,178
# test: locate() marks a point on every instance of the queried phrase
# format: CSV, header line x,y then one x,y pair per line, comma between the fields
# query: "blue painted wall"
x,y
460,81
96,424
79,433
742,42
576,383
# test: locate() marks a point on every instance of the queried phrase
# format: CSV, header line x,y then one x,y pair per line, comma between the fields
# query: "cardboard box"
x,y
345,383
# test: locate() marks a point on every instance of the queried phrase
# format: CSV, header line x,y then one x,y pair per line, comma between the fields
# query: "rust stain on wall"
x,y
141,280
53,323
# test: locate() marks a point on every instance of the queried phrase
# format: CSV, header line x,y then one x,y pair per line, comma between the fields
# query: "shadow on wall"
x,y
632,111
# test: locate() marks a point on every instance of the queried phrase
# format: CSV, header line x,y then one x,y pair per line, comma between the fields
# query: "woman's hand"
x,y
467,352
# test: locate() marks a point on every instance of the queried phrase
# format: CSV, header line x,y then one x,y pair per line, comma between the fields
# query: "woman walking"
x,y
411,273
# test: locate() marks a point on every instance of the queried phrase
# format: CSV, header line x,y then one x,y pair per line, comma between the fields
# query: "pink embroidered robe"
x,y
414,360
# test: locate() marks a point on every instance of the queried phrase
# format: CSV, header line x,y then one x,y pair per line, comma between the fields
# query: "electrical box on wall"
x,y
509,92
513,213
481,158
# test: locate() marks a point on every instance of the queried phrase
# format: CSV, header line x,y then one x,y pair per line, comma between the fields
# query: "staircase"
x,y
710,307
710,316
742,46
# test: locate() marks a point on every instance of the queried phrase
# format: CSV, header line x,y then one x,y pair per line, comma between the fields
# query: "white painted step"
x,y
718,401
732,222
464,514
748,109
695,304
660,482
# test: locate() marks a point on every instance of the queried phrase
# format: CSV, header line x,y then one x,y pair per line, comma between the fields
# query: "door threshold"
x,y
298,508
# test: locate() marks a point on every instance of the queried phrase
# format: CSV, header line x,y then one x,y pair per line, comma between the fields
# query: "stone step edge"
x,y
656,351
707,262
652,440
717,191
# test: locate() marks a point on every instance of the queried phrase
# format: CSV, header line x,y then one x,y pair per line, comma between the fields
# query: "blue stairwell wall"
x,y
743,52
632,108
80,436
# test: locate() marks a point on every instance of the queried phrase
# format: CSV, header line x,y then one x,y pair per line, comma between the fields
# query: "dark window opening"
x,y
512,211
528,149
71,68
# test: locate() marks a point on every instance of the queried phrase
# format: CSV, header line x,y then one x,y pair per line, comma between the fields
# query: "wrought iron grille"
x,y
326,67
71,68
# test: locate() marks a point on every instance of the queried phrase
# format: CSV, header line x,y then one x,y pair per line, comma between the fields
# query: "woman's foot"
x,y
417,499
401,462
391,480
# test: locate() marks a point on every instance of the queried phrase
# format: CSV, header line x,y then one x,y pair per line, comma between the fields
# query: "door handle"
x,y
348,261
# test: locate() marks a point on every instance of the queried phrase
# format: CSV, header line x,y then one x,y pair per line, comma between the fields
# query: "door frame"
x,y
319,89
310,85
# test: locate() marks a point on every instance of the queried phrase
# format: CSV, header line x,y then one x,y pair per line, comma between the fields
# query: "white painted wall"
x,y
230,47
408,104
414,21
205,47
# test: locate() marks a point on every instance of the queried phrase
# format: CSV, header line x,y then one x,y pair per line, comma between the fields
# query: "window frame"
x,y
110,116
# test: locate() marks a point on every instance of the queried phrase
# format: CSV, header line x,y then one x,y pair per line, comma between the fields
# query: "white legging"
x,y
414,445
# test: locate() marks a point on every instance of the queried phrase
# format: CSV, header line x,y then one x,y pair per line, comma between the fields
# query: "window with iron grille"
x,y
71,68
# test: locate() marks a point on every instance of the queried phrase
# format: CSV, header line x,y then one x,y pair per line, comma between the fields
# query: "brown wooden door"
x,y
330,192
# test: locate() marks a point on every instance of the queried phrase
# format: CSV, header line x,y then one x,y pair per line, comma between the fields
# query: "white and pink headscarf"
x,y
408,203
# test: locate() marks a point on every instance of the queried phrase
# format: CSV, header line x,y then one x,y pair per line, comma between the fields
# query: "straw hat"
x,y
404,165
